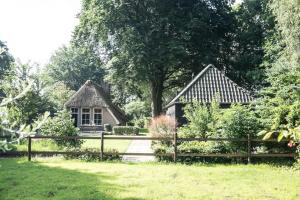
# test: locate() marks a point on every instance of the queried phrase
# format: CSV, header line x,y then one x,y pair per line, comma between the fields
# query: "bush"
x,y
93,154
205,147
139,122
142,122
126,130
107,128
61,125
162,126
237,122
202,120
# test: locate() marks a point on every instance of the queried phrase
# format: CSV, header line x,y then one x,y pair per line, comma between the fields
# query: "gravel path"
x,y
139,146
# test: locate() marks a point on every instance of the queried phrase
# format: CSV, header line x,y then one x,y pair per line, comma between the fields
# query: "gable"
x,y
212,84
92,95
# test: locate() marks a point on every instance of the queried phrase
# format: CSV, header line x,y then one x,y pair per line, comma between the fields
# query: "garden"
x,y
125,63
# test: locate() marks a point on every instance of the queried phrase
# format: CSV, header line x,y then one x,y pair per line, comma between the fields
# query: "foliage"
x,y
107,128
200,147
253,23
6,59
202,120
92,155
137,109
126,130
154,42
17,135
57,94
74,65
62,125
280,101
32,102
162,126
239,121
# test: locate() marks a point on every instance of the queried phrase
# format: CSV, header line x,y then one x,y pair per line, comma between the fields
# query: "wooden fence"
x,y
174,155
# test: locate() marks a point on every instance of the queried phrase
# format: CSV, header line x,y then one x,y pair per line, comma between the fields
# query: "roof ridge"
x,y
213,82
190,83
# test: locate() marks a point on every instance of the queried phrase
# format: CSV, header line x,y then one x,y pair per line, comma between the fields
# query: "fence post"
x,y
29,148
249,149
102,146
175,146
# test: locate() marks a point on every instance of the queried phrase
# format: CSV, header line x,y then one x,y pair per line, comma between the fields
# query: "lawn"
x,y
55,178
49,145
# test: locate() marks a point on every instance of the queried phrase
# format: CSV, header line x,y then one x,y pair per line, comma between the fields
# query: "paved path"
x,y
139,146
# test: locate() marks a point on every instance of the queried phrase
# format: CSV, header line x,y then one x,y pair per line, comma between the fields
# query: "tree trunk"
x,y
156,97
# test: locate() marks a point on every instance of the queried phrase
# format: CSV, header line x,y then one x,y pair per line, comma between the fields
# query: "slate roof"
x,y
212,84
93,95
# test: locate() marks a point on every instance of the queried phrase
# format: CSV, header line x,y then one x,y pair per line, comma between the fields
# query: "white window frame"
x,y
82,113
98,113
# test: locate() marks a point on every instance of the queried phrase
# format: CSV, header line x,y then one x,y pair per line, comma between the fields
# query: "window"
x,y
85,119
74,114
97,116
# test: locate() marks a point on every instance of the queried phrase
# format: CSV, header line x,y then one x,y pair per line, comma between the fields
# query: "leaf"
x,y
280,136
268,135
263,132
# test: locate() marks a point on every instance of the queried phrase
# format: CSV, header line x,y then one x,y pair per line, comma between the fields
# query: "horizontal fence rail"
x,y
174,139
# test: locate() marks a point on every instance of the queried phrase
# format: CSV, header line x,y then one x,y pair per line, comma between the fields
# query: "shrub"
x,y
238,121
62,125
139,122
93,154
126,130
202,120
107,128
142,122
162,126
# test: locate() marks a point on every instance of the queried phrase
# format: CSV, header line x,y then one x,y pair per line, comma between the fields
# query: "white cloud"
x,y
33,29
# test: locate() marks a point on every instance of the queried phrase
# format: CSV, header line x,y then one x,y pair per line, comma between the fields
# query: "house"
x,y
91,107
208,85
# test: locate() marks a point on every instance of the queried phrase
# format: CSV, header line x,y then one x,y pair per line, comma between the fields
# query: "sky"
x,y
34,29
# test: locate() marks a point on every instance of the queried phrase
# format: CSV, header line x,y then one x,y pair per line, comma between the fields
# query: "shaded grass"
x,y
59,179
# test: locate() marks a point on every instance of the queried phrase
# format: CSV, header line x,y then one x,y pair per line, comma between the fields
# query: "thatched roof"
x,y
93,95
211,84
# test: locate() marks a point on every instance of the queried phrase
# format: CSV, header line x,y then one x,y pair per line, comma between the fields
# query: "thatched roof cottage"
x,y
208,85
91,107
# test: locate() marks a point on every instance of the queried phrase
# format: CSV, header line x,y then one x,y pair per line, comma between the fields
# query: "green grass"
x,y
49,145
54,178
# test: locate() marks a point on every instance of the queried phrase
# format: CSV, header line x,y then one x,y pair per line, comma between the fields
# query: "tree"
x,y
73,66
280,101
253,23
33,103
154,42
6,59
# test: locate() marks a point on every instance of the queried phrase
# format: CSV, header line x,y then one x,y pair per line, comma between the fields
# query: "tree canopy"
x,y
155,42
74,65
5,59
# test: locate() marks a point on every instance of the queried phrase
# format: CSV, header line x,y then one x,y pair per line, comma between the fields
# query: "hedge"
x,y
126,130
